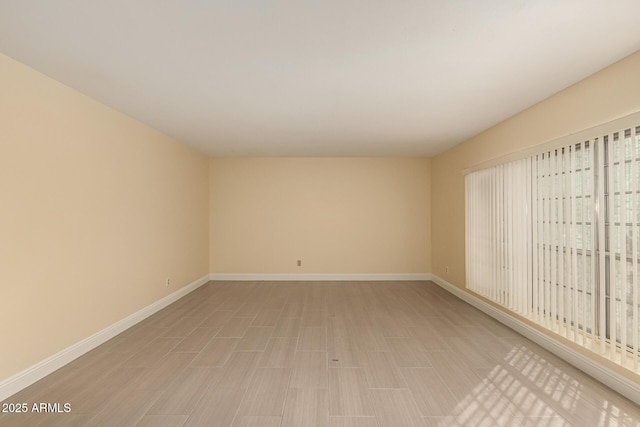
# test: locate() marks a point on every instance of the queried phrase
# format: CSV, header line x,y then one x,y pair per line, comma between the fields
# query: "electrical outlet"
x,y
167,282
446,269
299,263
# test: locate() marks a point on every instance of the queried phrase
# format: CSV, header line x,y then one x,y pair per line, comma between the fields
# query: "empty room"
x,y
331,214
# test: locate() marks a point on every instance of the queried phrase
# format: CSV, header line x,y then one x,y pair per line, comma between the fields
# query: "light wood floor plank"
x,y
266,317
152,353
396,408
125,408
454,367
348,393
216,352
217,319
314,318
390,327
266,393
279,353
312,339
370,339
134,339
168,368
255,339
91,399
257,421
237,371
430,392
328,354
382,372
353,422
429,340
183,327
184,393
235,327
306,408
162,421
346,358
287,327
407,353
544,422
310,370
292,310
217,408
197,340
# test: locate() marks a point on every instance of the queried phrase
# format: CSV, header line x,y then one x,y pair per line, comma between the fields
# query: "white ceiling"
x,y
319,78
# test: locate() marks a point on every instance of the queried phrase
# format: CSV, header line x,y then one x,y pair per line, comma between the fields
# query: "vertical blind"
x,y
554,237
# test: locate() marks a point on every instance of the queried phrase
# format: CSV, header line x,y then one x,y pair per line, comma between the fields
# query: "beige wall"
x,y
338,215
96,210
611,93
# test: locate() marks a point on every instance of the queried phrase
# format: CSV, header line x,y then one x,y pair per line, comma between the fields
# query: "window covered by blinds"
x,y
555,237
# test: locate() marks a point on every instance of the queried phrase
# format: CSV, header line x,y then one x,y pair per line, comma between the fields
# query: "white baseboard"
x,y
625,386
21,380
320,277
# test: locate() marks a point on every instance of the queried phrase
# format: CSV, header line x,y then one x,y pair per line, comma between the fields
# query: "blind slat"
x,y
612,245
574,303
602,324
622,240
634,246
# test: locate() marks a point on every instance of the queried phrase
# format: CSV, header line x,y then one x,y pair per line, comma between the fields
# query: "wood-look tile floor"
x,y
321,354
